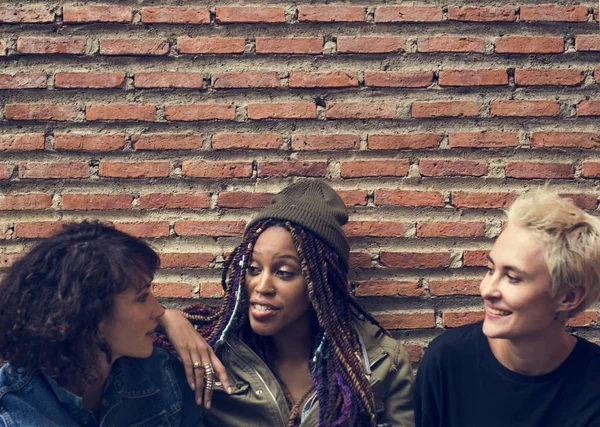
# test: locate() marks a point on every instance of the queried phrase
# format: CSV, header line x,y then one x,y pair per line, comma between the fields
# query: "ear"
x,y
571,300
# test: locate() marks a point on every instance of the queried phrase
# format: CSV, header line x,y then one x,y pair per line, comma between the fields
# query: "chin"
x,y
492,331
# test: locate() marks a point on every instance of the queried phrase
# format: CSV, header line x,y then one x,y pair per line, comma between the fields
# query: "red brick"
x,y
5,171
408,14
453,167
453,319
22,142
90,202
211,290
483,139
175,15
405,141
415,352
29,201
209,228
147,47
89,80
524,109
169,79
533,170
473,78
523,44
451,44
37,229
583,201
482,14
566,77
414,259
475,258
565,140
454,287
167,141
336,13
360,259
451,229
53,170
175,201
283,110
172,290
585,318
388,288
192,112
89,142
353,197
370,44
498,200
591,170
330,79
407,320
140,112
51,45
588,108
217,169
211,45
325,142
409,198
374,229
550,12
52,112
290,45
83,14
292,168
250,14
374,168
253,141
246,79
2,48
8,259
23,81
186,259
149,229
398,78
587,43
240,199
140,169
360,110
34,14
428,110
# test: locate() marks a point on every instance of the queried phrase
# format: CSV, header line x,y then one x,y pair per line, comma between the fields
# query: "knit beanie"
x,y
314,205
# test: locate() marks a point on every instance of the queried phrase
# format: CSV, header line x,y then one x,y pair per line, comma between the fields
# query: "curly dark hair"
x,y
53,298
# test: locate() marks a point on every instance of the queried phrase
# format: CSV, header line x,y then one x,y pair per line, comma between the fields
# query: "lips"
x,y
261,310
498,312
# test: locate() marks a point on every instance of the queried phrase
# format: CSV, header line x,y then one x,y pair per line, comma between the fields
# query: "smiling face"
x,y
129,331
276,287
516,288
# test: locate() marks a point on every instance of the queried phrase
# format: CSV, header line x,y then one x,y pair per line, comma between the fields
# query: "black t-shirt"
x,y
461,383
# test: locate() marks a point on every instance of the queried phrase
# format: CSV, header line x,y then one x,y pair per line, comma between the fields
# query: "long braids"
x,y
338,373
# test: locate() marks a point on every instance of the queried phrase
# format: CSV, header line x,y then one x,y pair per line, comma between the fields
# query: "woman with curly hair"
x,y
77,321
298,348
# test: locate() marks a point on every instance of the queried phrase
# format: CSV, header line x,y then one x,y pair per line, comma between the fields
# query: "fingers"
x,y
186,360
220,371
209,384
198,381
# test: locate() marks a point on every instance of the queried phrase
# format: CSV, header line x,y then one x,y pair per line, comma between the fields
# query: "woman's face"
x,y
130,329
277,290
516,288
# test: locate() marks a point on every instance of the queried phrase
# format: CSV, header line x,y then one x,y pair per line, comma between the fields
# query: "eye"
x,y
513,279
285,274
490,270
253,270
143,298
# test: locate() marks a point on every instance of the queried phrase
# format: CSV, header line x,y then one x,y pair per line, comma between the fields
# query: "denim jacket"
x,y
140,392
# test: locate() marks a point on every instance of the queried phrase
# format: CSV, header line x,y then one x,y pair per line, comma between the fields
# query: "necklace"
x,y
293,407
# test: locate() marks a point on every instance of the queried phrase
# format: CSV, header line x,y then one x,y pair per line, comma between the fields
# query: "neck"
x,y
535,355
294,344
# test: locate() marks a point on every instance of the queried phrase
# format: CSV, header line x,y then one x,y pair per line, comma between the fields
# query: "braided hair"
x,y
338,373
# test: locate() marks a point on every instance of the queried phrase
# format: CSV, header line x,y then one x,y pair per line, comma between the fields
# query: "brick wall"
x,y
178,122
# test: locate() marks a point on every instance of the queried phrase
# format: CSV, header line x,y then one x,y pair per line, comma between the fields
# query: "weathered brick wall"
x,y
178,122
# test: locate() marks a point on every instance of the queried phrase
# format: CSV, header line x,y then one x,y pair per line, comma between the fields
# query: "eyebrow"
x,y
143,288
284,256
508,267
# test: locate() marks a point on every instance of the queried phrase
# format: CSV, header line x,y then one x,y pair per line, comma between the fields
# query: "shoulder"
x,y
378,342
456,341
13,379
590,351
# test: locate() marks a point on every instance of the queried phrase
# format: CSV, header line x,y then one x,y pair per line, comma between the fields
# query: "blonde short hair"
x,y
571,240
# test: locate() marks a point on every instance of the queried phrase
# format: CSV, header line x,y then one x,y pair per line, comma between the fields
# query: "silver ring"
x,y
208,369
209,384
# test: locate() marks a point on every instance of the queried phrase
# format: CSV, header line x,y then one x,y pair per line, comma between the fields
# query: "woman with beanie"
x,y
520,366
298,348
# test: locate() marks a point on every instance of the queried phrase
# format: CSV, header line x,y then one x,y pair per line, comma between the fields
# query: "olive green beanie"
x,y
315,206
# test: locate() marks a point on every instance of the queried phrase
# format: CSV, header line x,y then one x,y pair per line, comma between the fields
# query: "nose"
x,y
489,286
264,283
157,310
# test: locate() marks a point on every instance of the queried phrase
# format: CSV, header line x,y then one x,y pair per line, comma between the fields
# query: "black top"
x,y
461,383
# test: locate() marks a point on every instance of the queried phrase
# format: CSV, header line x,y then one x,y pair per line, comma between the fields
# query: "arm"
x,y
192,348
427,409
398,404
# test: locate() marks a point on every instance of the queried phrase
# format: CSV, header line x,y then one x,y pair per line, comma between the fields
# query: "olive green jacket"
x,y
257,398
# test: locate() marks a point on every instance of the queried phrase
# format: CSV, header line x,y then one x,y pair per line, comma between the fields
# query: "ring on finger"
x,y
209,384
208,369
196,365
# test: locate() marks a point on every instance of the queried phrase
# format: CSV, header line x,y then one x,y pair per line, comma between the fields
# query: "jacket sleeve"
x,y
397,404
426,396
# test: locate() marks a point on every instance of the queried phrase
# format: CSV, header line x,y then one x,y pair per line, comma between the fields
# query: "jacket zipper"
x,y
262,380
